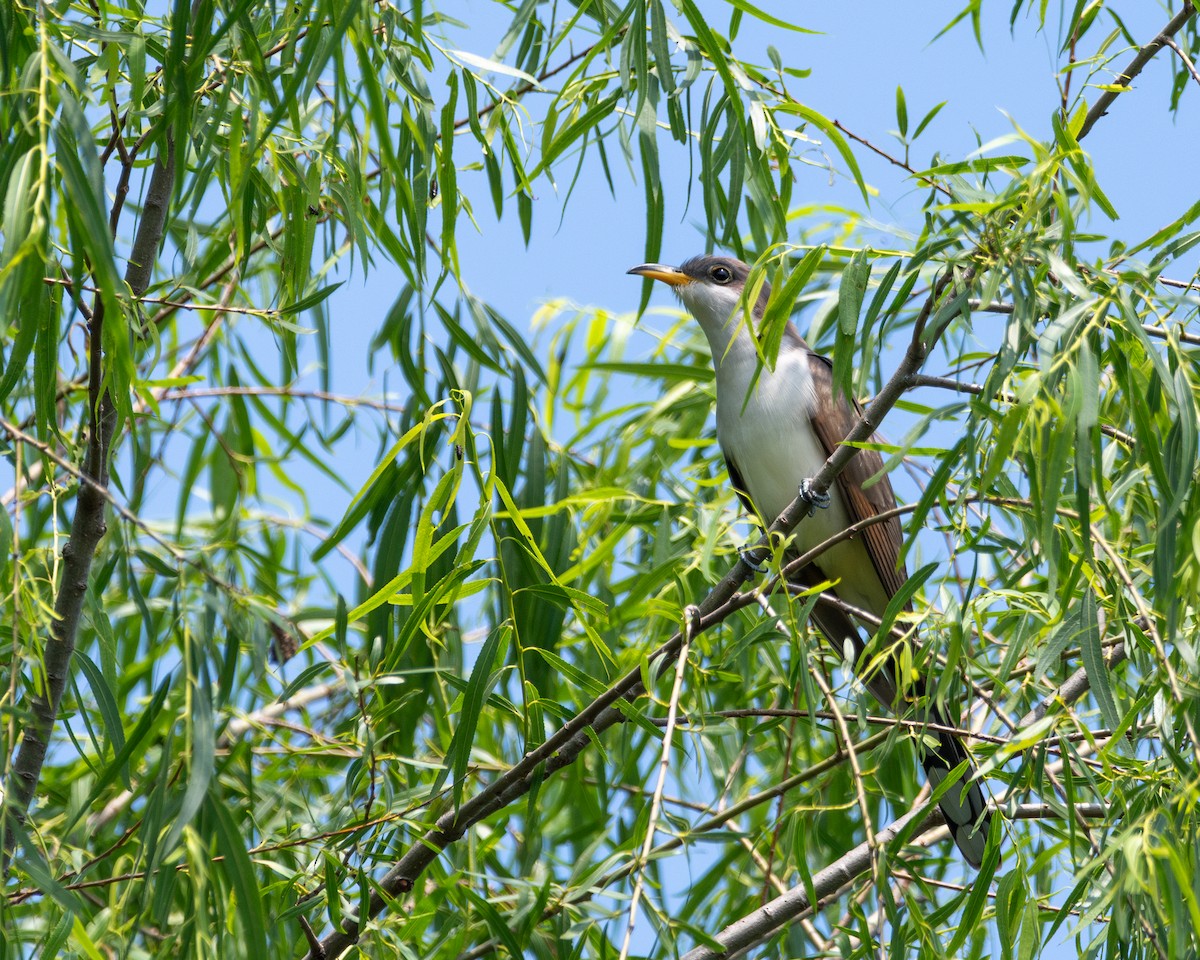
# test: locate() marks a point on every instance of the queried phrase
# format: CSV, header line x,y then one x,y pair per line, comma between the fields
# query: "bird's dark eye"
x,y
721,274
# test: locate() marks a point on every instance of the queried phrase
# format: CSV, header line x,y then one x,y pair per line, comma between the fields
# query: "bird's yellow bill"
x,y
659,271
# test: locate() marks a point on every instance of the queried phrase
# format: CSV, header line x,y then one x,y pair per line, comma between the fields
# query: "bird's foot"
x,y
747,555
812,498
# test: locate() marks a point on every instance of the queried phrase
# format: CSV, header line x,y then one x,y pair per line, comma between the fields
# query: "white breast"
x,y
768,434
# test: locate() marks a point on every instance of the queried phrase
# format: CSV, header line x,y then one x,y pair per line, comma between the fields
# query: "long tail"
x,y
963,805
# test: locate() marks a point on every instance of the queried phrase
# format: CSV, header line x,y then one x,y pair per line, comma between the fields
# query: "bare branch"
x,y
1187,61
1136,65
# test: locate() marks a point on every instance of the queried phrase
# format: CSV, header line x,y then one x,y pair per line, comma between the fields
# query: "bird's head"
x,y
711,289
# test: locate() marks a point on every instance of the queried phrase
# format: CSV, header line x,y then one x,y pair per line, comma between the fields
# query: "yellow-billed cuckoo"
x,y
776,433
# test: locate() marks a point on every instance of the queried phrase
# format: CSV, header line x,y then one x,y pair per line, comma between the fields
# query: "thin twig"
x,y
1114,656
902,164
664,765
342,400
1182,54
789,746
959,386
1000,306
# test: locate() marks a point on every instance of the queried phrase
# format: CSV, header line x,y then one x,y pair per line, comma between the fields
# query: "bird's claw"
x,y
747,555
812,498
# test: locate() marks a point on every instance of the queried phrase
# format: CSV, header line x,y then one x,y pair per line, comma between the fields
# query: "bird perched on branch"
x,y
776,428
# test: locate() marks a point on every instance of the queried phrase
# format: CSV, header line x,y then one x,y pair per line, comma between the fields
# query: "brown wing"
x,y
883,540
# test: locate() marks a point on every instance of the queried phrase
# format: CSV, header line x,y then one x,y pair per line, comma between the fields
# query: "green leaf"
x,y
56,939
332,874
977,898
83,183
40,873
783,301
881,294
835,137
590,685
715,49
978,165
484,65
458,755
851,291
927,119
1093,661
758,14
30,296
519,21
312,300
362,499
202,743
149,716
157,564
1069,631
496,924
448,175
238,869
107,702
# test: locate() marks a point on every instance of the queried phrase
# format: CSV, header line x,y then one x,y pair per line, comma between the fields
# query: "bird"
x,y
776,427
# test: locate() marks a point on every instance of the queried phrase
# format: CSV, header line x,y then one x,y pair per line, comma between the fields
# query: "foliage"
x,y
461,759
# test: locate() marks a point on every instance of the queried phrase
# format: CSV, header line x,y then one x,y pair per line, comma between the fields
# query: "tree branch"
x,y
88,525
1136,65
1187,62
755,927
